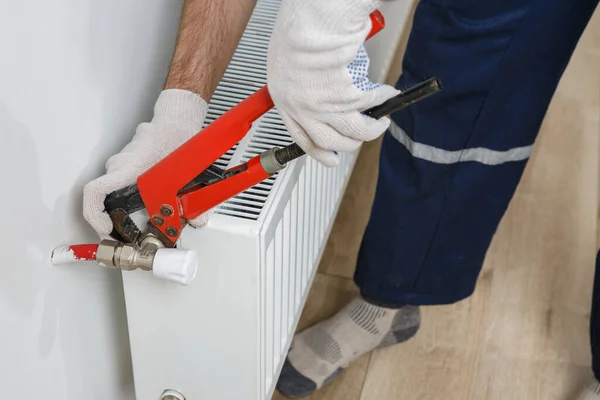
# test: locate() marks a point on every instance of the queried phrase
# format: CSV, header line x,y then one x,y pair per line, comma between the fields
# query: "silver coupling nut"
x,y
127,257
269,162
175,265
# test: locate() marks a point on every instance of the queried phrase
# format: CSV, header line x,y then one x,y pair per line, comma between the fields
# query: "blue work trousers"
x,y
450,164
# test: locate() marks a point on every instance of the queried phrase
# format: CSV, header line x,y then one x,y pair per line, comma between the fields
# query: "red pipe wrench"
x,y
185,185
161,186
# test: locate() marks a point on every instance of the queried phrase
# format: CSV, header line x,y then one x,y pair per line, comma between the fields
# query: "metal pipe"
x,y
70,254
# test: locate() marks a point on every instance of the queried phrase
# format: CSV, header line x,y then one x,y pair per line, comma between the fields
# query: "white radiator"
x,y
226,335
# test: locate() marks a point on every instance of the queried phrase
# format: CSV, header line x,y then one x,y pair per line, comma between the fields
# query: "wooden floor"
x,y
524,334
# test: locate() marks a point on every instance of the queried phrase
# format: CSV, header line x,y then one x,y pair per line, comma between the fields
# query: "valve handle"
x,y
175,265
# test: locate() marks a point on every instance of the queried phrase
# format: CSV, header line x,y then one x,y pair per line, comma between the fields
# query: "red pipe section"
x,y
74,253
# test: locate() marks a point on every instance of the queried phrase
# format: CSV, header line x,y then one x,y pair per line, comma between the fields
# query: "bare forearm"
x,y
209,33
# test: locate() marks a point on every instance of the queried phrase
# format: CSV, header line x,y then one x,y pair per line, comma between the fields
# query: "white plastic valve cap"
x,y
176,265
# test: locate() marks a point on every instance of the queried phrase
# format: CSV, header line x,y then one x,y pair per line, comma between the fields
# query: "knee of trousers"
x,y
431,225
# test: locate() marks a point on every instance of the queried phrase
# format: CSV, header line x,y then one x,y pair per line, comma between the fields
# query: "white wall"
x,y
76,76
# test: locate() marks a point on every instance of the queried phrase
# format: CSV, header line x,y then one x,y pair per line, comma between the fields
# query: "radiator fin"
x,y
267,338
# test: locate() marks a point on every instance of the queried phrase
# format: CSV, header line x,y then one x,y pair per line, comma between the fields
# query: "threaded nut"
x,y
166,210
171,231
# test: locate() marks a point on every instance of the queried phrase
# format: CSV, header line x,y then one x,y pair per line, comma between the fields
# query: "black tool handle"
x,y
405,99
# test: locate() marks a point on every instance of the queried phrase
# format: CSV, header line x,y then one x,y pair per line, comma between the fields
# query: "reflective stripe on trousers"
x,y
441,156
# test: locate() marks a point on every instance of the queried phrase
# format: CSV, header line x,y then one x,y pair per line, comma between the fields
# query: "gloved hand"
x,y
317,75
178,115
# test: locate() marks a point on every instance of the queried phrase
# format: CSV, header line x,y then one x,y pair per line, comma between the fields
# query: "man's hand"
x,y
209,33
178,115
317,75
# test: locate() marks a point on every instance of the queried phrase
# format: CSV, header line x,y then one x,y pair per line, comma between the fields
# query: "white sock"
x,y
320,353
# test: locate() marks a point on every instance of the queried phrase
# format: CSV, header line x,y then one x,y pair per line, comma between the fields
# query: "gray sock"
x,y
321,353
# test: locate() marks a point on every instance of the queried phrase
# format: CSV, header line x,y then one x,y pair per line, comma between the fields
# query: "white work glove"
x,y
317,75
178,115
